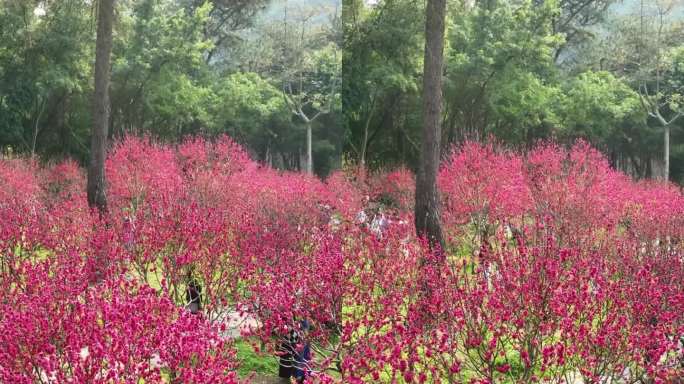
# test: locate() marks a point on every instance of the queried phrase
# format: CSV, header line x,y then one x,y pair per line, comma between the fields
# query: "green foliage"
x,y
251,109
528,106
249,100
175,100
382,64
300,55
596,104
158,77
44,64
499,51
674,78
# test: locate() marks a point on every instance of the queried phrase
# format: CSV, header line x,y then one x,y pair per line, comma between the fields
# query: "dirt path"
x,y
262,379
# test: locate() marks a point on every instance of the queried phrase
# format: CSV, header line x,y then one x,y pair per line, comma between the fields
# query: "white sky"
x,y
39,10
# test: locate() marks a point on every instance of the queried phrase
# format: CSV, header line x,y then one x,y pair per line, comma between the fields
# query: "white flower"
x,y
84,353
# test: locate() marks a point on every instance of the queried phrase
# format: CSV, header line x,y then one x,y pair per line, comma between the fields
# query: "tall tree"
x,y
638,45
661,95
380,79
311,61
98,144
427,219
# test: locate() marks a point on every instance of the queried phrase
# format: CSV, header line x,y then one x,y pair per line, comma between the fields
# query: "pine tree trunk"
x,y
427,217
98,144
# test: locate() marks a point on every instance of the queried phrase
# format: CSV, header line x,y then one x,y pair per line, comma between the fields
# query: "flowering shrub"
x,y
395,189
482,186
558,269
59,330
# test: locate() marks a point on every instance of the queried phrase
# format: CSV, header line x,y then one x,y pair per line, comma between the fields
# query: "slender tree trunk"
x,y
309,153
366,127
427,217
62,127
666,172
364,144
98,145
36,128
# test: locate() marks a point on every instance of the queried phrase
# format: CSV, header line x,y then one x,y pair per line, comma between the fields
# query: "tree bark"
x,y
98,145
427,215
309,152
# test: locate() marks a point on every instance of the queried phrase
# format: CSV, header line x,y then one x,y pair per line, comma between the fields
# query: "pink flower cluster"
x,y
558,268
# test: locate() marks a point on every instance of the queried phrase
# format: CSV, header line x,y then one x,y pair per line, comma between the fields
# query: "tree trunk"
x,y
427,217
98,144
366,127
666,162
61,124
364,148
364,144
309,153
36,128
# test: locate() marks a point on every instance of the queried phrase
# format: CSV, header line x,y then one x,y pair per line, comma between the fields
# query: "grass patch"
x,y
251,361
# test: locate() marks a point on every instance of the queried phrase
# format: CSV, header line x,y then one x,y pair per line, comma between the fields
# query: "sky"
x,y
627,7
326,7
